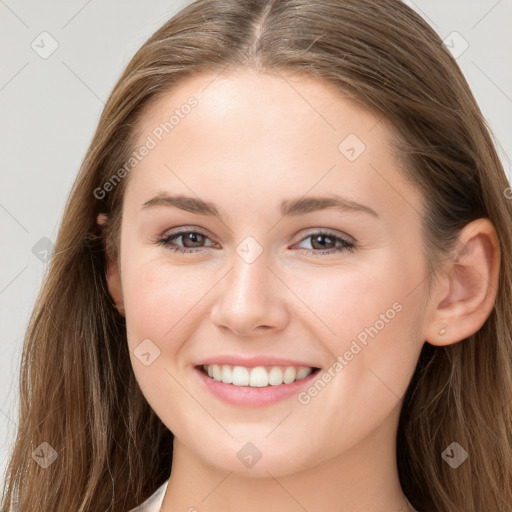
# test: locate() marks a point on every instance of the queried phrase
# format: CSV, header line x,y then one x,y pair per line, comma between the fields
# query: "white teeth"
x,y
302,373
240,376
217,372
289,375
275,376
257,377
227,374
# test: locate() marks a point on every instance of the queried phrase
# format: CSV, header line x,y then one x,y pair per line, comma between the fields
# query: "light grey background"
x,y
49,108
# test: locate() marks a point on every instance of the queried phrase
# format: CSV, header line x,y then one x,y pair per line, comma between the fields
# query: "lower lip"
x,y
247,396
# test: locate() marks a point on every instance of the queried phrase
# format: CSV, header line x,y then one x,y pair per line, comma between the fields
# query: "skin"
x,y
254,140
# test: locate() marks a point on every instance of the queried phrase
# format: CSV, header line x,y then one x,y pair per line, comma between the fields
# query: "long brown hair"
x,y
78,392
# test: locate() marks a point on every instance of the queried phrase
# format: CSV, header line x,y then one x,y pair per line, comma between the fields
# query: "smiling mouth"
x,y
257,376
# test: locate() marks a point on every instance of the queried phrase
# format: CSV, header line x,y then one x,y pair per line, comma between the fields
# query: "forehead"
x,y
290,103
267,135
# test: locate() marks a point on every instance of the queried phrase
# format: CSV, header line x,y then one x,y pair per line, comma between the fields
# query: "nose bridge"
x,y
249,297
249,278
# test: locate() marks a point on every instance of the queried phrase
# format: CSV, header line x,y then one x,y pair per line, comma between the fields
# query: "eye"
x,y
326,241
191,240
322,242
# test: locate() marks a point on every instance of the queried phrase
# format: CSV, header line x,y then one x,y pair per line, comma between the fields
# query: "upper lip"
x,y
250,362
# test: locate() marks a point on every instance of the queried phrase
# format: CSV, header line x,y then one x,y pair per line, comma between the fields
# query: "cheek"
x,y
159,297
342,302
369,321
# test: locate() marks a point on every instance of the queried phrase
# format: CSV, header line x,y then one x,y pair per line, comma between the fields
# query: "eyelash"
x,y
346,245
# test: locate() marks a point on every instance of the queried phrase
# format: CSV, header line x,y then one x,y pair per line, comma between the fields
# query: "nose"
x,y
250,299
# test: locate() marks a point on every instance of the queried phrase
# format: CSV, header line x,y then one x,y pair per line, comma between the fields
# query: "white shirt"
x,y
154,502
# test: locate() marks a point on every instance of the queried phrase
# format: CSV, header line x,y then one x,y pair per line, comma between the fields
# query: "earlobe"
x,y
468,288
112,274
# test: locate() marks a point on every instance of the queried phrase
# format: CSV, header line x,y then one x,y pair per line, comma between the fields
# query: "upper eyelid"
x,y
182,231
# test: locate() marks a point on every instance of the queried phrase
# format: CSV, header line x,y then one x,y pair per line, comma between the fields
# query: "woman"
x,y
197,344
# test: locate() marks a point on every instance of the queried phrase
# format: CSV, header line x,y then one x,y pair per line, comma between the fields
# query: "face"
x,y
268,282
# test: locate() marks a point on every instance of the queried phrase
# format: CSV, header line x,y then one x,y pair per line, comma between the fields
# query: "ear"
x,y
112,274
467,288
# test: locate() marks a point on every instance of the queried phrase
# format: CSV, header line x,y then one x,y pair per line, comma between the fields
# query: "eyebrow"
x,y
289,207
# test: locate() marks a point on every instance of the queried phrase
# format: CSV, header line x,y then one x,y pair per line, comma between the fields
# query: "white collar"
x,y
154,502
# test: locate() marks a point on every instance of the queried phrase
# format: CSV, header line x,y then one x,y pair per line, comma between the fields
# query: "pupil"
x,y
192,237
322,238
